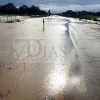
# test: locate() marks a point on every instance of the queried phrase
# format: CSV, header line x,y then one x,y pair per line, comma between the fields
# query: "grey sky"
x,y
59,5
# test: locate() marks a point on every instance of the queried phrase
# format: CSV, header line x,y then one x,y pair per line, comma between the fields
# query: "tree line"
x,y
81,14
11,9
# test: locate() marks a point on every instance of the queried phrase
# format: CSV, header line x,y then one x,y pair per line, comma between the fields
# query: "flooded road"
x,y
37,64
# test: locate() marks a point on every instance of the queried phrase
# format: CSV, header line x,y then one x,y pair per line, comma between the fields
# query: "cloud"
x,y
48,2
59,5
58,9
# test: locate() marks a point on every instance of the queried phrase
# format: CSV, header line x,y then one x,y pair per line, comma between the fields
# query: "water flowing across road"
x,y
39,64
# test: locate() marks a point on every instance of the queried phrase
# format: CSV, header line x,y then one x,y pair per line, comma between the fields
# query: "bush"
x,y
95,19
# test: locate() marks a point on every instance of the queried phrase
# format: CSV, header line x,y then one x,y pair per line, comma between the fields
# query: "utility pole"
x,y
43,25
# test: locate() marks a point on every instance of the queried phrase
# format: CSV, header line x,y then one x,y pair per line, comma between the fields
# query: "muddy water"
x,y
37,64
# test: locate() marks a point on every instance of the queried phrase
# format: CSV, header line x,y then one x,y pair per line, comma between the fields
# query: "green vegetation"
x,y
11,9
82,15
90,17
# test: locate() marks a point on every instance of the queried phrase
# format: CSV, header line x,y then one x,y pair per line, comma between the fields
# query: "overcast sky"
x,y
57,6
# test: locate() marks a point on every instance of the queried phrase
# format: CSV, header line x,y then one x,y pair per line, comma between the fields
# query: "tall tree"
x,y
0,9
49,12
23,9
33,10
9,8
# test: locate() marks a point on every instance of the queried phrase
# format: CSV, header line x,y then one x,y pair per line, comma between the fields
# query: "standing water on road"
x,y
41,65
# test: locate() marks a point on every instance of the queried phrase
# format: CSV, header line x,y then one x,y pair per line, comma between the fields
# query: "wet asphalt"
x,y
42,63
